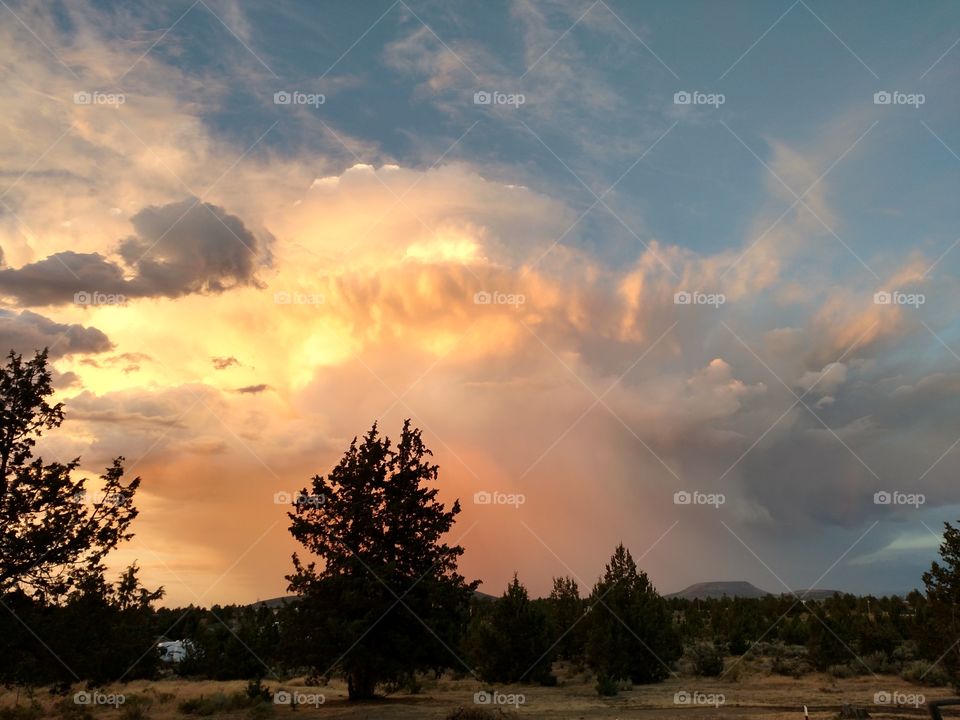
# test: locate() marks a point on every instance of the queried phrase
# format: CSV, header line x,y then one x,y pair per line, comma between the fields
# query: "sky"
x,y
681,275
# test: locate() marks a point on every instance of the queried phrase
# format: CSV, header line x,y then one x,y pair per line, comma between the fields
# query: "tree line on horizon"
x,y
379,599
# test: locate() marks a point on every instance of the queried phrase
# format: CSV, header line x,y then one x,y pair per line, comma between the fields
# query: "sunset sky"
x,y
233,286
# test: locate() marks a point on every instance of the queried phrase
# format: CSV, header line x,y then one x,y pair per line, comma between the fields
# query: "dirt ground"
x,y
751,695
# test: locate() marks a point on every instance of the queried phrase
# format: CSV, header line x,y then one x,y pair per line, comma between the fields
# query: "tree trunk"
x,y
360,685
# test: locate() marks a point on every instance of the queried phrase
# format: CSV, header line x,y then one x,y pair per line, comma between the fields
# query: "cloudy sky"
x,y
601,253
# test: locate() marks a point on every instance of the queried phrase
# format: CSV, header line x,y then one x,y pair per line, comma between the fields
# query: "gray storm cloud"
x,y
178,249
26,331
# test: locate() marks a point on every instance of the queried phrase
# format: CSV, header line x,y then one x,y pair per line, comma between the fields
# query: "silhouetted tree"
x,y
942,583
510,642
47,532
565,611
388,600
231,643
631,635
738,623
831,637
99,632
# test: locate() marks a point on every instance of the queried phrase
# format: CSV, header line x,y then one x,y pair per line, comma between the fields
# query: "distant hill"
x,y
719,589
741,589
274,602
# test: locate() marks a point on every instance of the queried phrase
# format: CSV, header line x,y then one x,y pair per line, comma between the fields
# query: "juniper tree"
x,y
942,583
630,633
387,599
510,642
565,611
48,533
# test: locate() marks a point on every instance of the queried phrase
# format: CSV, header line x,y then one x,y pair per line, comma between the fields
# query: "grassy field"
x,y
751,695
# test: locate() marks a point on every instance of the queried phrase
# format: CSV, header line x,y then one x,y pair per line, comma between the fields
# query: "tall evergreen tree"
x,y
631,635
565,612
511,642
942,583
388,599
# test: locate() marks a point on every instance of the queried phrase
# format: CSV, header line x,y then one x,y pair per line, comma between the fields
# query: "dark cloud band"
x,y
178,249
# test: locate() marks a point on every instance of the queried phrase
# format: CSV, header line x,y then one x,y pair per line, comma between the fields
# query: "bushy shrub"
x,y
877,662
904,653
409,683
607,686
136,707
842,671
67,709
216,705
705,659
134,712
475,713
256,690
789,666
922,671
22,712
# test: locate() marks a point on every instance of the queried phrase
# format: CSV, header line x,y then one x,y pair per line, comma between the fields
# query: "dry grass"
x,y
754,694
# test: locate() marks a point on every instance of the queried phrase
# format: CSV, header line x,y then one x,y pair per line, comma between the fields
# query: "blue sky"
x,y
603,94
